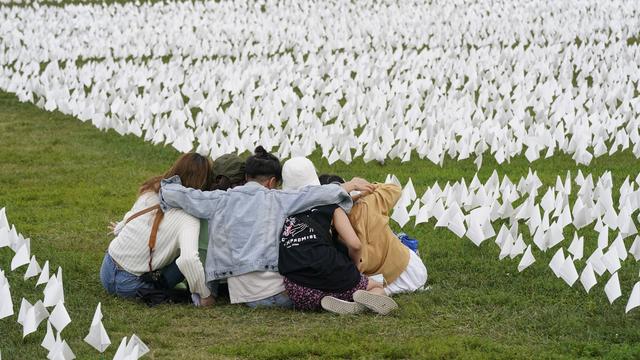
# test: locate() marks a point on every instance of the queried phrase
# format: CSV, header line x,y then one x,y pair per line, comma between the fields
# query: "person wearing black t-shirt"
x,y
316,273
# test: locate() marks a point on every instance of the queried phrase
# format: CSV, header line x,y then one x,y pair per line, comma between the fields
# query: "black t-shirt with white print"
x,y
308,257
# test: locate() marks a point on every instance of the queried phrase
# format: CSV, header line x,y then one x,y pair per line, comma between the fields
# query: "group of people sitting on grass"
x,y
313,244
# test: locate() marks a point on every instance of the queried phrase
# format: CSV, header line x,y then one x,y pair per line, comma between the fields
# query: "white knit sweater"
x,y
177,238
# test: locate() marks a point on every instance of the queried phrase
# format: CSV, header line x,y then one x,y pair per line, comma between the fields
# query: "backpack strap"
x,y
154,228
142,212
154,234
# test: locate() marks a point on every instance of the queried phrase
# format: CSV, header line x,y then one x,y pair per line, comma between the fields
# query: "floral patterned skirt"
x,y
305,298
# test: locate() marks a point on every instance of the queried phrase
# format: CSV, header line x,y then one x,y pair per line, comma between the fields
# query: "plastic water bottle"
x,y
409,242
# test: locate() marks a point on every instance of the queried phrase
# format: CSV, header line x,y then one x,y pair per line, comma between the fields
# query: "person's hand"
x,y
358,184
112,227
356,195
208,301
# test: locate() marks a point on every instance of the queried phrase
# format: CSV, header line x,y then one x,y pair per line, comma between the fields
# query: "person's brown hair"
x,y
195,172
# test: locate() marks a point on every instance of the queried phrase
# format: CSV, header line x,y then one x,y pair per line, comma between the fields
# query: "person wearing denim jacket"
x,y
245,224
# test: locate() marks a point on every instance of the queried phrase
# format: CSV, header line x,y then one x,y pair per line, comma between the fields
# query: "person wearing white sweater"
x,y
175,254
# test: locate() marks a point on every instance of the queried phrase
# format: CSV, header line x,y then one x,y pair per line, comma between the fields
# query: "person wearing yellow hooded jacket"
x,y
381,250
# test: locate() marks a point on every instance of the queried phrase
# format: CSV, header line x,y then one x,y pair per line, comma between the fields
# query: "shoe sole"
x,y
341,307
380,304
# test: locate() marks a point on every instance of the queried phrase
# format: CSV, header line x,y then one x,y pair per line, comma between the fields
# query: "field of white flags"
x,y
537,253
542,216
50,306
377,80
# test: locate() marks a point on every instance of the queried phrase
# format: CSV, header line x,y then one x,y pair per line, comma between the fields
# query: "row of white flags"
x,y
474,211
30,316
458,80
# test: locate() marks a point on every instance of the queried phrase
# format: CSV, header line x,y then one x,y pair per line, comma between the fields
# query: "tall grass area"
x,y
62,181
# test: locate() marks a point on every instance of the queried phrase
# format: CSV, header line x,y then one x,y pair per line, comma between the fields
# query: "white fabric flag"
x,y
400,216
603,238
59,317
21,257
415,208
14,239
4,237
135,341
6,304
408,190
423,215
49,340
33,269
475,233
518,247
621,250
121,353
505,249
53,291
596,261
456,225
61,351
3,219
33,317
527,259
98,337
554,235
612,288
44,274
556,262
568,272
540,239
577,247
634,299
635,248
22,313
59,277
588,278
611,260
134,354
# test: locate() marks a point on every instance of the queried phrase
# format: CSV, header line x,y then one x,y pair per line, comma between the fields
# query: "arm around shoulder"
x,y
315,195
189,260
386,195
201,204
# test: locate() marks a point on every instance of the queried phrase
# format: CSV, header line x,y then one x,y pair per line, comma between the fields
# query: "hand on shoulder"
x,y
358,184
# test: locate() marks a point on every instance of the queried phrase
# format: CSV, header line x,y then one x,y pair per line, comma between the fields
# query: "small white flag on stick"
x,y
527,259
634,299
59,317
33,269
98,337
612,288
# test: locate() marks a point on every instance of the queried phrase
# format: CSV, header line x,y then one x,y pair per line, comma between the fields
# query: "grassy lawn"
x,y
62,181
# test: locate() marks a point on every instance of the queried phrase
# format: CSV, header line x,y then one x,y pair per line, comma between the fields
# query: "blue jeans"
x,y
125,284
278,300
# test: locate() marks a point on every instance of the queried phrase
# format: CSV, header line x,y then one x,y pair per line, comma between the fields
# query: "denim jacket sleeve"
x,y
201,204
294,202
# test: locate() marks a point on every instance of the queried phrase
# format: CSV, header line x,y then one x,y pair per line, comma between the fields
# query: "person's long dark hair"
x,y
263,165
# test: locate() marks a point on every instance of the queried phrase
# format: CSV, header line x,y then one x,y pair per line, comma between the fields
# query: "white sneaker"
x,y
380,304
341,307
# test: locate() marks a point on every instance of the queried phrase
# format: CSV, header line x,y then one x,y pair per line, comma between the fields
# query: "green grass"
x,y
62,181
